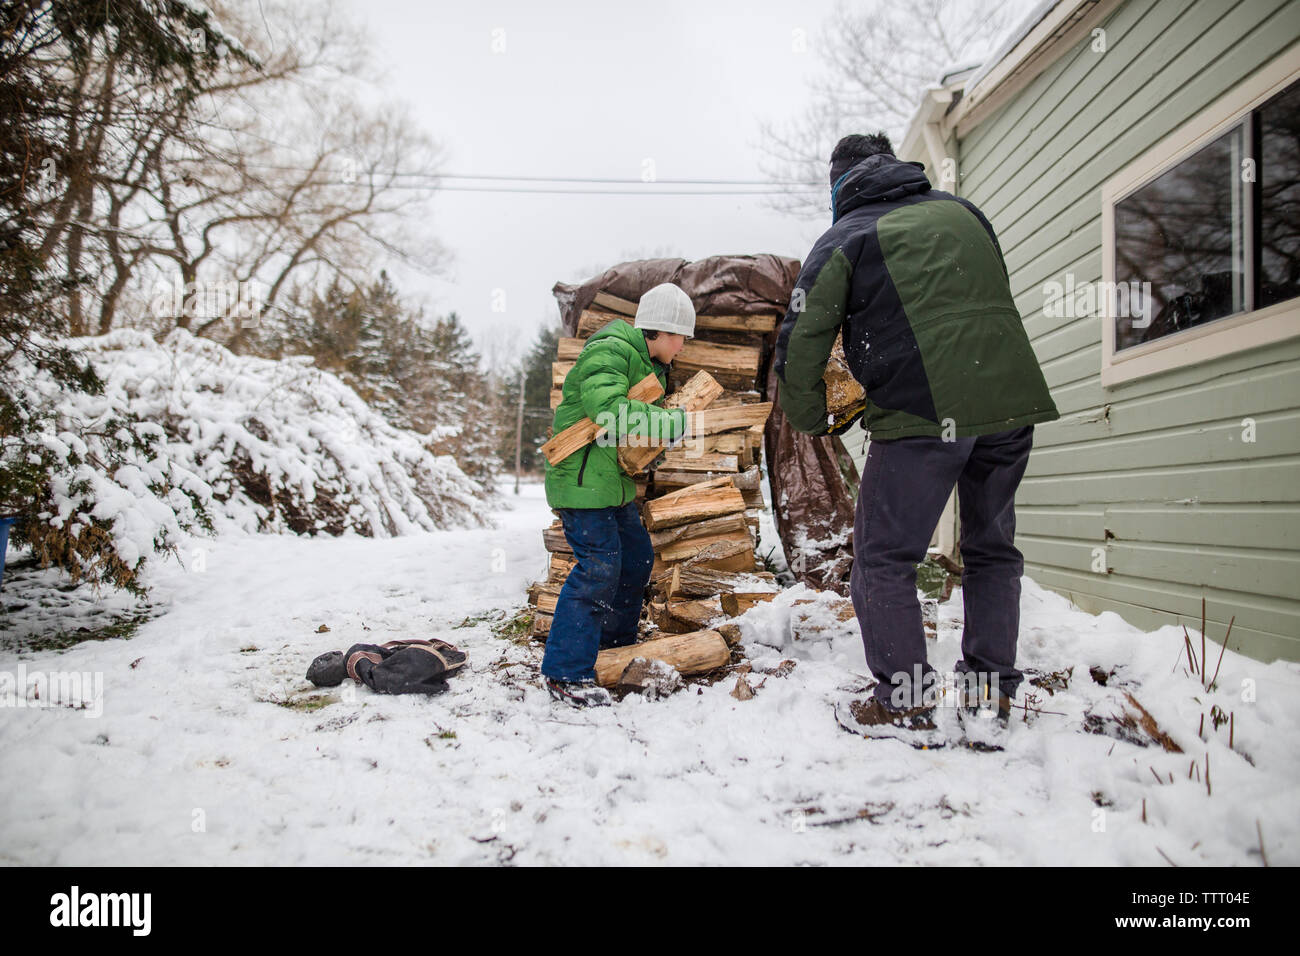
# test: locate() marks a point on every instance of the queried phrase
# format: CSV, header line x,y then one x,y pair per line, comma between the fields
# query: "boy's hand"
x,y
687,431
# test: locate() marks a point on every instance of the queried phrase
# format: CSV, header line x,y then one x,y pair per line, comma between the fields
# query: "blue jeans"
x,y
600,603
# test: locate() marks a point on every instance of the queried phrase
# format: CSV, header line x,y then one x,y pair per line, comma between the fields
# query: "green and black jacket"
x,y
613,360
916,279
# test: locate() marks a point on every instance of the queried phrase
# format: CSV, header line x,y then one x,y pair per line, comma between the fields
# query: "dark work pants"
x,y
905,485
600,603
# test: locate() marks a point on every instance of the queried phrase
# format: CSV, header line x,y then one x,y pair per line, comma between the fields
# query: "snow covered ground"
x,y
209,746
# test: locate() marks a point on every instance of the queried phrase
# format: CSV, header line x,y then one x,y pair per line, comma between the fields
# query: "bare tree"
x,y
877,58
280,172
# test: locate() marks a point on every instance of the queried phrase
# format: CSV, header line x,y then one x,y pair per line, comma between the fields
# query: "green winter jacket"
x,y
613,360
914,279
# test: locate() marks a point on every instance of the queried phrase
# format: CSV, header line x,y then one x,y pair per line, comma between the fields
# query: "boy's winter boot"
x,y
578,693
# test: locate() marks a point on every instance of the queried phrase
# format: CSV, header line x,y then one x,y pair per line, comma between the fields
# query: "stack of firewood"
x,y
699,500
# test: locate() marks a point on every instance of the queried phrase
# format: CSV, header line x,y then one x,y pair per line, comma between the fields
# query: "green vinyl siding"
x,y
1153,471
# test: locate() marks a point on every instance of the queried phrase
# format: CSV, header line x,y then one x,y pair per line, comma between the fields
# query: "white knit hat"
x,y
666,308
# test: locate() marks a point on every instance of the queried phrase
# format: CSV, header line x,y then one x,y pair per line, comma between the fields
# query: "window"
x,y
1279,198
1218,233
1201,233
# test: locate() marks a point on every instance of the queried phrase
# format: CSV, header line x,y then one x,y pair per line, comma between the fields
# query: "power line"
x,y
495,177
600,192
433,187
636,182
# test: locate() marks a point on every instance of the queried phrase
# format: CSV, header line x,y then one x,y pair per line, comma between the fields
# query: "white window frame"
x,y
1220,337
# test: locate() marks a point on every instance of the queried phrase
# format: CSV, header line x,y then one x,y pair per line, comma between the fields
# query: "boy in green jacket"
x,y
600,603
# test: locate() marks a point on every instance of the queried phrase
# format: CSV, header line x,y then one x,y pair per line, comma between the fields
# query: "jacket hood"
x,y
879,178
618,328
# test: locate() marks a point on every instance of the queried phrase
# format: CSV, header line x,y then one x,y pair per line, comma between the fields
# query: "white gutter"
x,y
1054,27
964,98
923,140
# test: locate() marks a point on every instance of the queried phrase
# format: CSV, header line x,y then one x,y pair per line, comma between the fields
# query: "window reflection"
x,y
1279,123
1184,233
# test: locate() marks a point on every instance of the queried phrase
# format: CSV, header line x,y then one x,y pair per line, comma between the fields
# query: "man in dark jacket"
x,y
915,279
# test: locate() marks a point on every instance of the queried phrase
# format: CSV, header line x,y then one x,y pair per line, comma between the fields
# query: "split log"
x,y
584,432
613,303
736,365
553,539
691,547
687,616
558,371
726,443
730,397
557,396
665,622
753,340
696,394
748,480
844,394
732,555
702,582
593,320
708,499
696,653
569,349
712,420
687,460
699,529
738,443
736,554
652,679
701,391
737,323
543,595
738,602
559,568
731,633
541,626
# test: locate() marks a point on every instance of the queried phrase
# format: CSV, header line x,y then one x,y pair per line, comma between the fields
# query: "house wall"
x,y
1152,471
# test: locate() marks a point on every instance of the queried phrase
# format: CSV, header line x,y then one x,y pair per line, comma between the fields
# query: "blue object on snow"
x,y
5,524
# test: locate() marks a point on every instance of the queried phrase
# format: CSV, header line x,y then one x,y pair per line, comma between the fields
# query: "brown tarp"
x,y
718,285
810,501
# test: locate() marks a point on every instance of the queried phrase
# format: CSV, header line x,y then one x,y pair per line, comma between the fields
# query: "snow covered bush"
x,y
91,483
185,435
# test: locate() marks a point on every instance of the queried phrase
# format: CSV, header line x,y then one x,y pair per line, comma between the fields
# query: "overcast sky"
x,y
591,89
